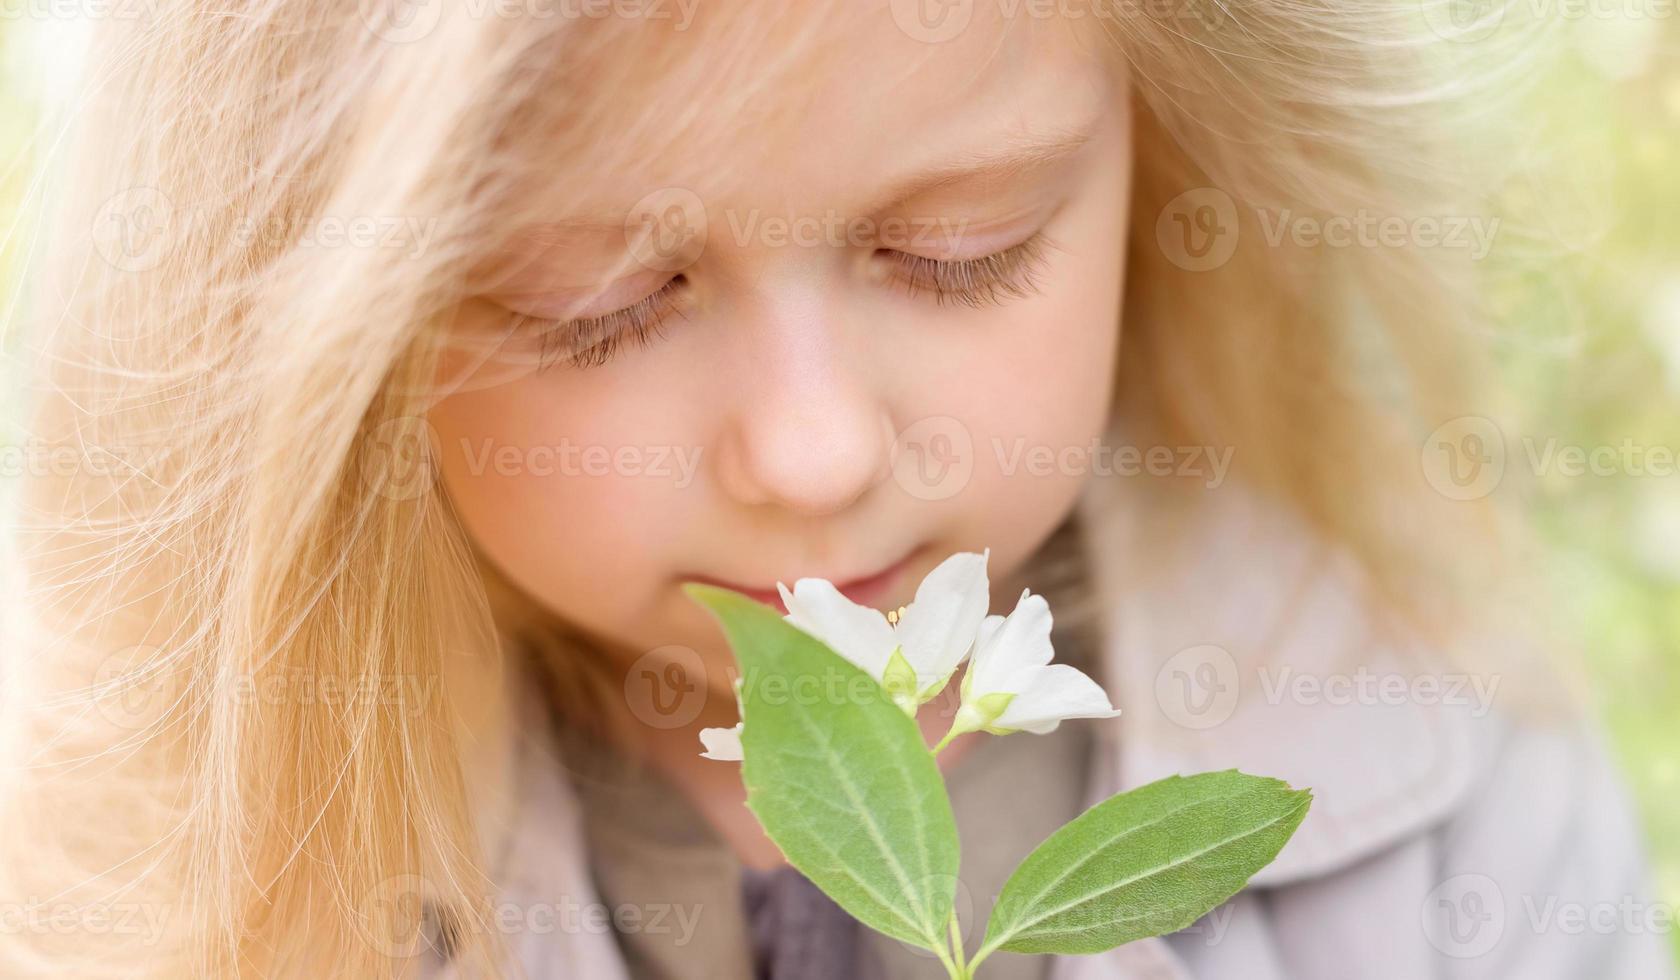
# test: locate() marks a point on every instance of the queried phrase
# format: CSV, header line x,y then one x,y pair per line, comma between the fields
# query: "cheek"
x,y
563,493
1034,385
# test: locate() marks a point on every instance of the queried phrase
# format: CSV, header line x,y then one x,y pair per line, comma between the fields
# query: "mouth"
x,y
871,589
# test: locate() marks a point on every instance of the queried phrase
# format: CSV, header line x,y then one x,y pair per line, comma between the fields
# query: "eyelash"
x,y
593,341
989,280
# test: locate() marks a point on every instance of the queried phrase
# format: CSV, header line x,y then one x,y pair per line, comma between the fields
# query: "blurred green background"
x,y
1615,541
1588,347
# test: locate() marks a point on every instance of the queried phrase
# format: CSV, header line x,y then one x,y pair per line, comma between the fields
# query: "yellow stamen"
x,y
894,615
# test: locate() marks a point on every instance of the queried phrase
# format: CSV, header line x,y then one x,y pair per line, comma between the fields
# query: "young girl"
x,y
392,367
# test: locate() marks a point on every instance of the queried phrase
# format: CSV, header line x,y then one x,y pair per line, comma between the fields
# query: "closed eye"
x,y
988,280
593,341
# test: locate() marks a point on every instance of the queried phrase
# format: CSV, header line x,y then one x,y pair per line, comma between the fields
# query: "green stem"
x,y
957,948
949,736
984,952
956,972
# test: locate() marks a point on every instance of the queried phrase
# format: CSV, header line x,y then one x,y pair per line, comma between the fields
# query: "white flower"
x,y
914,653
722,744
1011,685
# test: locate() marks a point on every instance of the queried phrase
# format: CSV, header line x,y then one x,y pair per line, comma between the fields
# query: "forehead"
x,y
813,104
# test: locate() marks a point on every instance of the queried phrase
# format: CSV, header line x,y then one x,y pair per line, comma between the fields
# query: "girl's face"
x,y
866,354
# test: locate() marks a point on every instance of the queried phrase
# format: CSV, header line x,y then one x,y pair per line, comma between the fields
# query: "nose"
x,y
810,432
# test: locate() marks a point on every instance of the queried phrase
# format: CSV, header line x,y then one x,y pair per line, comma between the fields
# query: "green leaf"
x,y
840,777
1144,863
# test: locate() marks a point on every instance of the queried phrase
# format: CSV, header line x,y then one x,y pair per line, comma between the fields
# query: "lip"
x,y
866,590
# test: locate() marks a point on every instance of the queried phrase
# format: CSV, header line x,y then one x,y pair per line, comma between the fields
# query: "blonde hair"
x,y
268,538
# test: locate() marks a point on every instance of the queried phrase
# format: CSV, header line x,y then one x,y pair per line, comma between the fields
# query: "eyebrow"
x,y
1020,155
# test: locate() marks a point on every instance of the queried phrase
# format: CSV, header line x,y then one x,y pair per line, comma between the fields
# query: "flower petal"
x,y
1056,692
858,633
722,744
1010,649
939,627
